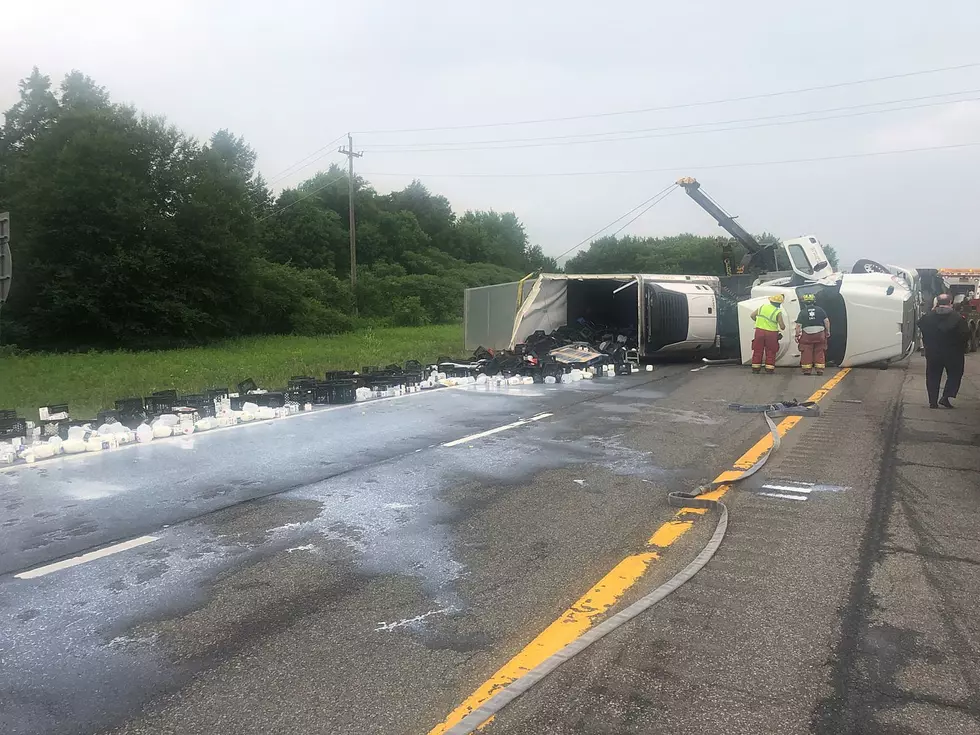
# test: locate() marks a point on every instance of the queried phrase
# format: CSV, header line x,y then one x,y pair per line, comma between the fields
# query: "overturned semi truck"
x,y
873,314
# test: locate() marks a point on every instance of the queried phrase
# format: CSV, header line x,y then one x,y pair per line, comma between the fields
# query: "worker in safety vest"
x,y
812,333
768,324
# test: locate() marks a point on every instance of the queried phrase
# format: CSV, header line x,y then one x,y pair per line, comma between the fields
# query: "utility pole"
x,y
349,152
6,267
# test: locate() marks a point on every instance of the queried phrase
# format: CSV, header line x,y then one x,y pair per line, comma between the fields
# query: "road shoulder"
x,y
909,656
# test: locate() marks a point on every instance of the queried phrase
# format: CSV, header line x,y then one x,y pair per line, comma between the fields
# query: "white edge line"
x,y
789,488
90,556
491,432
784,497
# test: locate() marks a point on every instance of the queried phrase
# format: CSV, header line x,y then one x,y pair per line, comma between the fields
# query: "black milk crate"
x,y
455,371
200,403
170,393
245,386
107,416
54,409
131,406
238,401
552,370
535,372
157,405
333,375
273,399
302,395
8,413
13,427
215,393
301,389
321,392
65,425
54,428
369,369
132,412
341,391
382,381
413,366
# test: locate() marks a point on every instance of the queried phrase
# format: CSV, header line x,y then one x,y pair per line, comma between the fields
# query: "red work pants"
x,y
765,345
813,352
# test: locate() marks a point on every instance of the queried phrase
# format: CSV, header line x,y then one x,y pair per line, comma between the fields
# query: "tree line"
x,y
685,253
128,233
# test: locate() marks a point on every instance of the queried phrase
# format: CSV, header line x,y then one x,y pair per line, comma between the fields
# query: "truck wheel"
x,y
975,337
868,266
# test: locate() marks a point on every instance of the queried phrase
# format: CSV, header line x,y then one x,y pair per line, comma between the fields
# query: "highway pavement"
x,y
367,569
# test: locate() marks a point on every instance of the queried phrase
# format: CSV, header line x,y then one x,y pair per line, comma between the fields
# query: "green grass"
x,y
94,380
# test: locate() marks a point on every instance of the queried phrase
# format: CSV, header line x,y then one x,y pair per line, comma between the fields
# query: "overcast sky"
x,y
291,76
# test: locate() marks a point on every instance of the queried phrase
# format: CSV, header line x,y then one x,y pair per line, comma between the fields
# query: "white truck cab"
x,y
872,315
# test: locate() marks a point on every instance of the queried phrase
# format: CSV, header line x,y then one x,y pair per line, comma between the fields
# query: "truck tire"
x,y
974,336
868,266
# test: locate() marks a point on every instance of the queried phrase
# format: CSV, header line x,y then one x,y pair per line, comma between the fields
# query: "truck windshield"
x,y
800,261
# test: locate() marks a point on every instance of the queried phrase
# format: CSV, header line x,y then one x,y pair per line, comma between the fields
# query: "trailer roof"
x,y
629,276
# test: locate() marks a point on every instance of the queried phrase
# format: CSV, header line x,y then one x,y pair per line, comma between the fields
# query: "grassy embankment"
x,y
94,380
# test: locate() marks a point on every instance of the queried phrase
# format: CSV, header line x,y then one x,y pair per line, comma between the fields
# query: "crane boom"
x,y
757,254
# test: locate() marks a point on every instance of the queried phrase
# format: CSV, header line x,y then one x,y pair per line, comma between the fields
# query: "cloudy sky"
x,y
648,87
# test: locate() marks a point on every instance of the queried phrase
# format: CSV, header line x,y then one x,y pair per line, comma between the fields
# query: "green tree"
x,y
306,235
132,234
679,254
34,113
433,213
832,256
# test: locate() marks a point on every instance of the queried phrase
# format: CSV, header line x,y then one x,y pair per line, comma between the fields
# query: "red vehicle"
x,y
963,284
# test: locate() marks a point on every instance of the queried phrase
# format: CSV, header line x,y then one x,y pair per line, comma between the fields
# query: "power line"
x,y
662,193
643,212
413,146
702,167
780,123
704,103
305,196
288,171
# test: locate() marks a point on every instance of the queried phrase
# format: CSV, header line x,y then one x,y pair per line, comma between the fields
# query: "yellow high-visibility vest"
x,y
767,318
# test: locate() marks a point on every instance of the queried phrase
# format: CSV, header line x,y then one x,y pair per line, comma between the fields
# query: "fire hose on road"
x,y
695,499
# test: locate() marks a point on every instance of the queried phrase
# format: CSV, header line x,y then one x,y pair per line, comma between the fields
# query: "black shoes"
x,y
944,401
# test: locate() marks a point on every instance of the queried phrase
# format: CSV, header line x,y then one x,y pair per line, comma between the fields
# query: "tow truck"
x,y
963,284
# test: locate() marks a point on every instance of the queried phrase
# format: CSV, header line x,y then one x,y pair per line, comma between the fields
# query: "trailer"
x,y
662,314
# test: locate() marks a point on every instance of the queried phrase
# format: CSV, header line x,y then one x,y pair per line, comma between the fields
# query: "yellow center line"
x,y
608,590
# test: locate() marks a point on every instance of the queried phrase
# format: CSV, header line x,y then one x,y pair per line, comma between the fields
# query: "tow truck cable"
x,y
472,721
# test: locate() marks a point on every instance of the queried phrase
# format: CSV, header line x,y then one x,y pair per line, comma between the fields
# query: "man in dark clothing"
x,y
812,333
946,336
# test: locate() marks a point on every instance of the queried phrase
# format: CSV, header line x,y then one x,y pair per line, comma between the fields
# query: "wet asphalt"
x,y
344,572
